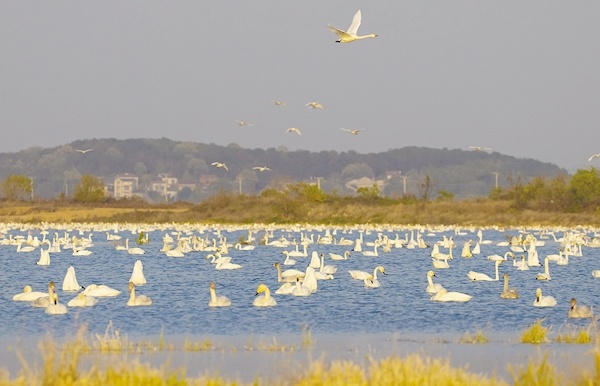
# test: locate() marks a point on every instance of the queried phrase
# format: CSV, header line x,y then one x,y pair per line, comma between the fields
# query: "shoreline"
x,y
271,357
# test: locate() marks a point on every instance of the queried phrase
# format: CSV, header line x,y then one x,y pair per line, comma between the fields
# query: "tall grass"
x,y
535,334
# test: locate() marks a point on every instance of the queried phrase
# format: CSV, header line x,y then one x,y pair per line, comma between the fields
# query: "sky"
x,y
519,76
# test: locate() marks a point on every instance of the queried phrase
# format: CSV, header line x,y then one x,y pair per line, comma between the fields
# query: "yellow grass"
x,y
536,333
478,337
573,334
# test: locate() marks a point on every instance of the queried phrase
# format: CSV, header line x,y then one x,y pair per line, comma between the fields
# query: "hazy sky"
x,y
519,76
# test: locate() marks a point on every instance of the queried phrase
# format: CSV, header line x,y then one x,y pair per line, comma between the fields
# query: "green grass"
x,y
536,333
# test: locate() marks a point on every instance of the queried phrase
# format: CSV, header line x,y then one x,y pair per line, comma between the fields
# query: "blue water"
x,y
179,289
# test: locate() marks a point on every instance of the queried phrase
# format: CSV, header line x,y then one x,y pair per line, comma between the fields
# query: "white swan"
x,y
351,34
288,260
299,289
596,273
495,257
44,257
577,311
137,276
264,300
335,256
100,291
328,269
220,165
315,260
82,300
217,301
432,288
21,248
218,258
141,300
310,280
241,247
543,301
546,274
285,289
444,296
371,253
521,265
29,295
134,250
440,263
294,130
70,281
43,301
371,281
360,275
477,276
55,308
508,293
222,266
288,275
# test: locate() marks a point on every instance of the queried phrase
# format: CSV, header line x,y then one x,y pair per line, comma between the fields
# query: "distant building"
x,y
168,186
126,185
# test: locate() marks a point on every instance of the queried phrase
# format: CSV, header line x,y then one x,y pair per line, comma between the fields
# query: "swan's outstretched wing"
x,y
353,29
594,156
341,34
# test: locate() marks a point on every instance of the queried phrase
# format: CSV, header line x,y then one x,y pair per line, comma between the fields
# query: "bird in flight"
x,y
83,151
220,165
352,131
261,168
279,103
351,34
594,156
315,105
243,123
293,130
480,148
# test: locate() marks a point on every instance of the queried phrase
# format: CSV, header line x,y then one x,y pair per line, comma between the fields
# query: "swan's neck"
x,y
268,294
430,281
497,276
132,295
505,284
375,273
213,295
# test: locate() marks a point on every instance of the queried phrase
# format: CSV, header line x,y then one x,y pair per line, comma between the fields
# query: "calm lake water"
x,y
179,288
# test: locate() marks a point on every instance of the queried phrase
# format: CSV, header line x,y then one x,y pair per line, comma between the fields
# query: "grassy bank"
x,y
231,208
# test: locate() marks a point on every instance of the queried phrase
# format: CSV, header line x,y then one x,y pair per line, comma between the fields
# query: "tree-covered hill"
x,y
405,170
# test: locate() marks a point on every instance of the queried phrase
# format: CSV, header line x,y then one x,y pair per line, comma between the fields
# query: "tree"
x,y
585,187
17,187
89,189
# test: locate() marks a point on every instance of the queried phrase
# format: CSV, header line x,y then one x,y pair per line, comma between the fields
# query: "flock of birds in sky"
x,y
181,241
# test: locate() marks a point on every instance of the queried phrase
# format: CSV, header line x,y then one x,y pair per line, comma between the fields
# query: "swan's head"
x,y
573,303
505,276
51,285
212,285
381,269
131,286
538,294
430,274
55,298
297,278
277,265
27,289
261,288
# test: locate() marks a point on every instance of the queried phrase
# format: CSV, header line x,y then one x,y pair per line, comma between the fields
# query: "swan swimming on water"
x,y
360,275
82,300
299,289
217,301
43,301
100,291
546,274
444,296
263,297
432,287
28,295
543,301
140,300
70,281
351,34
55,308
137,276
577,311
477,276
508,293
